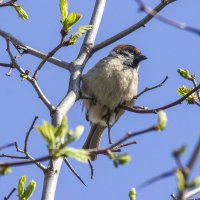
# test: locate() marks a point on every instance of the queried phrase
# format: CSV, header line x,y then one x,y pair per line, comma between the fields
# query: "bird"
x,y
113,81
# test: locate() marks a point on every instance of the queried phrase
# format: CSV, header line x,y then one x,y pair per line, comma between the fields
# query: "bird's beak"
x,y
139,58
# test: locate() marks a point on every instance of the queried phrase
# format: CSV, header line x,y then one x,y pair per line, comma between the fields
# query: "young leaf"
x,y
63,10
79,154
185,74
178,152
28,192
181,180
182,91
162,120
21,185
5,170
124,159
24,75
78,132
81,31
70,21
61,130
195,182
47,131
21,12
132,194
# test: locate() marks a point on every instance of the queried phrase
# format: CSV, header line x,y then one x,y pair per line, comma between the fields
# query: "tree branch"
x,y
30,79
8,3
50,54
192,193
7,145
10,194
155,110
120,141
132,28
179,25
51,177
151,88
32,51
74,171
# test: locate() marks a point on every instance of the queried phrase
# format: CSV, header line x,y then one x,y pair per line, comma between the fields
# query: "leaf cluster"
x,y
59,137
24,193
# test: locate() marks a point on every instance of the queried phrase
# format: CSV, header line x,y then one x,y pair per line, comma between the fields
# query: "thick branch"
x,y
134,27
192,193
72,95
32,51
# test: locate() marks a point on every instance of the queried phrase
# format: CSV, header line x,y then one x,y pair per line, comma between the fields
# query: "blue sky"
x,y
167,49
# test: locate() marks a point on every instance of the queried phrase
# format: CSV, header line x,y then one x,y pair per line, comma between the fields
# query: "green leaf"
x,y
21,12
21,185
195,182
80,155
47,131
124,159
119,159
181,180
63,10
162,120
70,21
81,31
5,170
61,130
182,91
24,75
132,194
184,73
29,190
78,132
180,151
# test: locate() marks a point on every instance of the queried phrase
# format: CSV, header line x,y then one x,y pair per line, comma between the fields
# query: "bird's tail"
x,y
93,139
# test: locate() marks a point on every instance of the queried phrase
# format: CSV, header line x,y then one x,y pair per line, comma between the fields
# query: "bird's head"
x,y
129,54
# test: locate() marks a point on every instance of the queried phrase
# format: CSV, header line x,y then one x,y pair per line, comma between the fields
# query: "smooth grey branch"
x,y
33,51
132,28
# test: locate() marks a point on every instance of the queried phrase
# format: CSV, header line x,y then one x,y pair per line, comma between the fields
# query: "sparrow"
x,y
113,81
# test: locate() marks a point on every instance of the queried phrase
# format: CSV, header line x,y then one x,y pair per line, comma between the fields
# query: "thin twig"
x,y
28,133
7,145
151,88
8,3
6,65
31,80
11,156
195,155
132,28
195,85
91,169
155,110
120,141
10,194
173,197
157,178
50,54
27,162
124,145
33,51
74,171
179,25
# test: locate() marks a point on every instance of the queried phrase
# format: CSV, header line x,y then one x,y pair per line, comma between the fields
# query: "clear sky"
x,y
167,49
